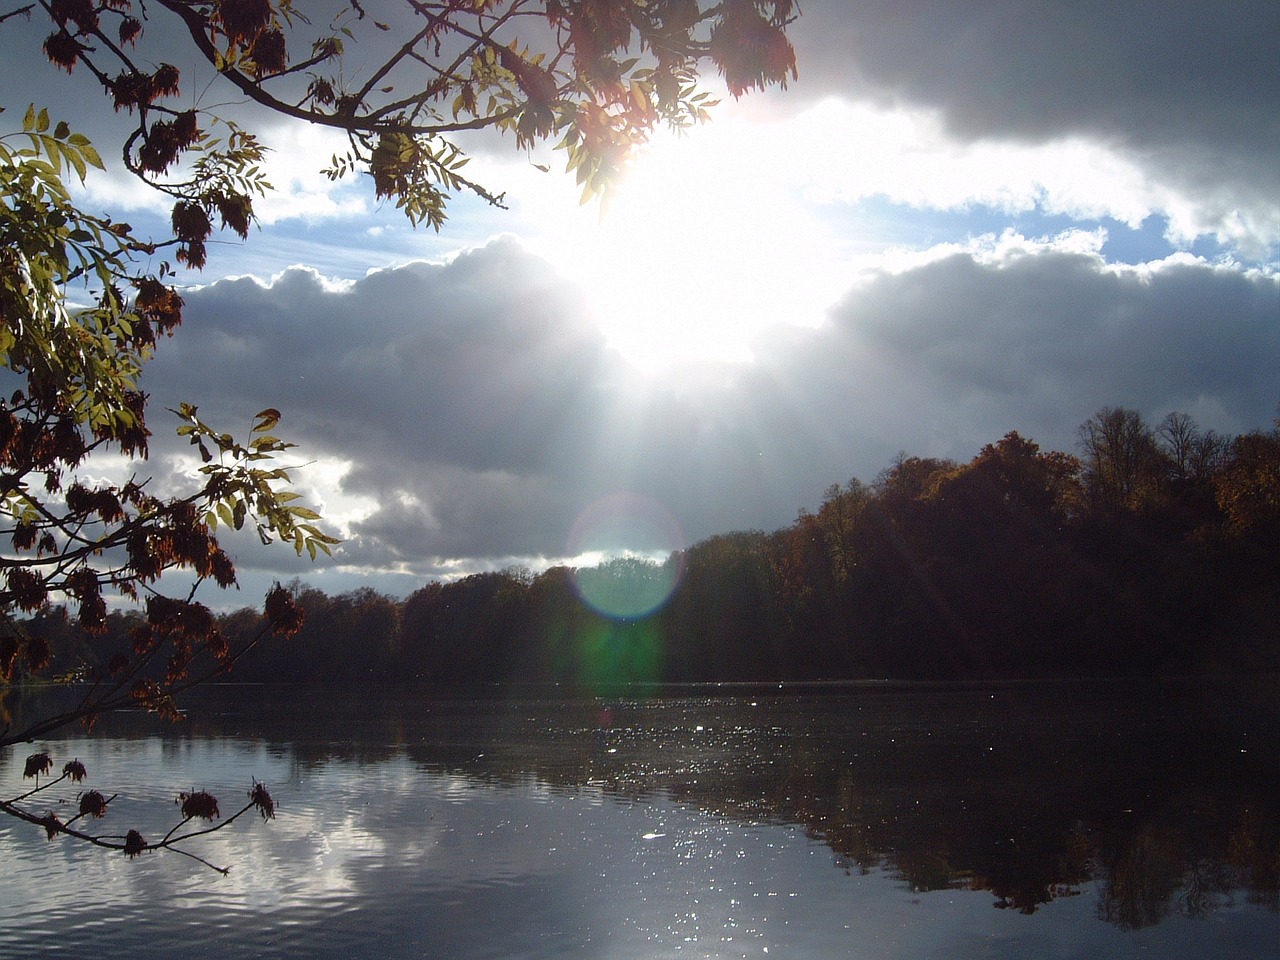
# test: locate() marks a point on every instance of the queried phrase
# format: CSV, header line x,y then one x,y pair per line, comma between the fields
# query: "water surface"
x,y
1047,820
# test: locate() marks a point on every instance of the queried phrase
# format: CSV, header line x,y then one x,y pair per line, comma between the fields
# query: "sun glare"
x,y
700,248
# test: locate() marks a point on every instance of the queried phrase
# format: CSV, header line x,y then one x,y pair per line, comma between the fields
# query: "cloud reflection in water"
x,y
718,827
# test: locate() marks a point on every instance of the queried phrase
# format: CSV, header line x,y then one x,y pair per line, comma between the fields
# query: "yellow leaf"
x,y
266,419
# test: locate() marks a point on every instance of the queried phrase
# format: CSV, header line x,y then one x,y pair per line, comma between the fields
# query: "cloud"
x,y
435,385
1184,90
476,410
1144,72
910,158
953,353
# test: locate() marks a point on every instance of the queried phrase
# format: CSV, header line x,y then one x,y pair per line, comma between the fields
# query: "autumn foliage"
x,y
404,80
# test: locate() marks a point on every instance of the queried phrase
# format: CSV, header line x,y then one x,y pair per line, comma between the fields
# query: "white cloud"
x,y
844,152
1177,95
298,154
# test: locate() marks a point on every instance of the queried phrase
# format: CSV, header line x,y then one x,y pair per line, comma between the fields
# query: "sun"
x,y
702,246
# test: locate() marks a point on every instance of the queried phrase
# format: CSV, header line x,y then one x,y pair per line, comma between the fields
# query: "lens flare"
x,y
635,550
613,656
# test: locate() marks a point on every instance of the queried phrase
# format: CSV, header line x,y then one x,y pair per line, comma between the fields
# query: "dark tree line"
x,y
1156,550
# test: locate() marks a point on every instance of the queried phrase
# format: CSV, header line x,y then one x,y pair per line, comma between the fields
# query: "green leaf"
x,y
76,160
91,156
317,535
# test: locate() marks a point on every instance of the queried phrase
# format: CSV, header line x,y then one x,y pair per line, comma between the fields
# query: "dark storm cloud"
x,y
483,412
950,355
1146,71
468,397
1190,89
486,362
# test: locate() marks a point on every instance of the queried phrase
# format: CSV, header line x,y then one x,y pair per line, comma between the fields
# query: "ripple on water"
x,y
521,838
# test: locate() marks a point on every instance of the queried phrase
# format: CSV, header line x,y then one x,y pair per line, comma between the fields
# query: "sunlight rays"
x,y
698,250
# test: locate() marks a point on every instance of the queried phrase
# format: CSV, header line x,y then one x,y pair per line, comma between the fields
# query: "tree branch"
x,y
253,89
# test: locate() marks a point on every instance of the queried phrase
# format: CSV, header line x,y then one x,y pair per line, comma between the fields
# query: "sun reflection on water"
x,y
690,826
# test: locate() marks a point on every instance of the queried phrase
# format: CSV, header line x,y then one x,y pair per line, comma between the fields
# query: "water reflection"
x,y
691,825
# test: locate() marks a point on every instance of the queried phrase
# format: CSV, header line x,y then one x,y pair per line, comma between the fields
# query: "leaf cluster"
x,y
76,370
84,362
92,805
236,488
594,76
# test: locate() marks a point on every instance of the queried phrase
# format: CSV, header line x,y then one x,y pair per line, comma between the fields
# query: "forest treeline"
x,y
1154,550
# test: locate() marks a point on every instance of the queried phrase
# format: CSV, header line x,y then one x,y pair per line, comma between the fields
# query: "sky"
x,y
960,220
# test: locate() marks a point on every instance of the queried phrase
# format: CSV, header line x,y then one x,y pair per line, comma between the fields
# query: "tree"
x,y
1248,486
723,621
1194,455
993,538
1122,461
1178,435
461,634
75,373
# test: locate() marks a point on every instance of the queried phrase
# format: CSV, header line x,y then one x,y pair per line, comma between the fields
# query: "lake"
x,y
1056,820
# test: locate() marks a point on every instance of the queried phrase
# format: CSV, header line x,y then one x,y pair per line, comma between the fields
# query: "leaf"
x,y
318,535
265,419
90,155
76,160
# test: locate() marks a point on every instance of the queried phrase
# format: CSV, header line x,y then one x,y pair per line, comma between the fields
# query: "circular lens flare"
x,y
629,551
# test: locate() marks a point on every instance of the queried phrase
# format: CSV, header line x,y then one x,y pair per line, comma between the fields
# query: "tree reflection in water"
x,y
1159,799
